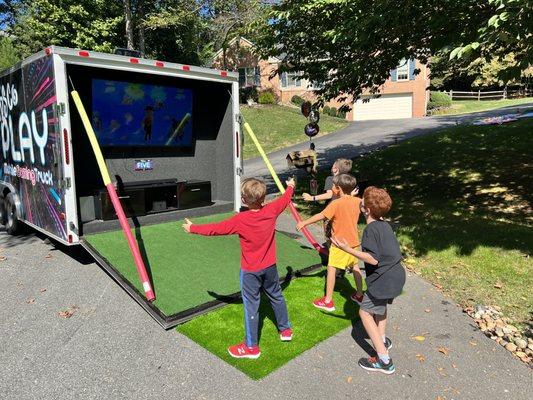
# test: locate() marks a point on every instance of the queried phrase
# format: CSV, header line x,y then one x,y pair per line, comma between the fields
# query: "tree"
x,y
87,24
351,45
8,53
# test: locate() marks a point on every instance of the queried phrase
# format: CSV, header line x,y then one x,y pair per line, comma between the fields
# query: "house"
x,y
403,95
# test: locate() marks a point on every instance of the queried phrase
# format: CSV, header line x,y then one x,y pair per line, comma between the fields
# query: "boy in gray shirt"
x,y
385,275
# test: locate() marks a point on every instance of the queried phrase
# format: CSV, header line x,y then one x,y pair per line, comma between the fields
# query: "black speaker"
x,y
193,194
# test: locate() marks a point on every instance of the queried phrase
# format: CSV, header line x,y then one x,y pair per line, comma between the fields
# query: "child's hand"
x,y
290,182
307,197
187,225
340,243
354,192
300,225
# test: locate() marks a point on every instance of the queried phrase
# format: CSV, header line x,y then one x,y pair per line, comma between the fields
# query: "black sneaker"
x,y
374,364
387,343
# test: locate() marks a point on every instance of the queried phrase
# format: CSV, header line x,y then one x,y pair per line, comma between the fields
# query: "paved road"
x,y
364,136
111,349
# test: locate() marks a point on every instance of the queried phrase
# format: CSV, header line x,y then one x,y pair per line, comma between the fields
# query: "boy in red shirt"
x,y
256,230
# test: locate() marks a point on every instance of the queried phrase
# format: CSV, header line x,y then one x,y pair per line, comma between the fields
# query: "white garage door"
x,y
388,106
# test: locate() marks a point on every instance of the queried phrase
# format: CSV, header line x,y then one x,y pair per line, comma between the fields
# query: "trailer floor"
x,y
189,271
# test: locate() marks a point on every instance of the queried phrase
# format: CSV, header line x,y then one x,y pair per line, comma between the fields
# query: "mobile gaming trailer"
x,y
170,138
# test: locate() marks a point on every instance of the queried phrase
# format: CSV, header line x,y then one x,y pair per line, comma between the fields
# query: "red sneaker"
x,y
242,351
286,335
321,303
357,299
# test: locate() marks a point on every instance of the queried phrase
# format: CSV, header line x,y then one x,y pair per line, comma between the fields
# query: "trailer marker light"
x,y
134,60
223,73
62,216
48,51
237,143
70,238
186,68
83,53
159,64
66,146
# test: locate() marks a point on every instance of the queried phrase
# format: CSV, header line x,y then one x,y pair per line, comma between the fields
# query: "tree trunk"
x,y
129,24
142,47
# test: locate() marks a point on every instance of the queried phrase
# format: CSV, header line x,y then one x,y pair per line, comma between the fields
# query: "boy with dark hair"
x,y
256,230
343,213
385,275
340,166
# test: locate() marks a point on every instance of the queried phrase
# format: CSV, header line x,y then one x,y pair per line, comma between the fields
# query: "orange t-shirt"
x,y
344,214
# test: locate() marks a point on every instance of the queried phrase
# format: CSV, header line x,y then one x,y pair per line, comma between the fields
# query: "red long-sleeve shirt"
x,y
256,232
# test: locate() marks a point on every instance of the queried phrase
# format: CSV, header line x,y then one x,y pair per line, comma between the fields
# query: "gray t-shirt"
x,y
386,279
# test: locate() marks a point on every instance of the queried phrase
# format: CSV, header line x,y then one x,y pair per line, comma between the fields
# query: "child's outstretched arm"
x,y
319,197
309,221
278,205
226,227
361,255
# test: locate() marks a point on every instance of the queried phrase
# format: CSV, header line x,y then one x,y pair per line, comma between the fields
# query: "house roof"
x,y
232,41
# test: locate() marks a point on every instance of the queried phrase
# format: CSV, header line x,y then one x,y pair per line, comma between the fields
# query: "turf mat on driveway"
x,y
220,328
190,270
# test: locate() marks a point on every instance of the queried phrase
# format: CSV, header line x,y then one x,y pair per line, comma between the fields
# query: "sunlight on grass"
x,y
278,126
462,203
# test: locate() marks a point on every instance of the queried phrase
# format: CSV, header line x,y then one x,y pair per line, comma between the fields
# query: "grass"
x,y
279,126
462,204
470,106
189,270
311,326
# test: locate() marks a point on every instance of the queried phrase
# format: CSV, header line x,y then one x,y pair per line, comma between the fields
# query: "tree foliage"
x,y
351,45
8,53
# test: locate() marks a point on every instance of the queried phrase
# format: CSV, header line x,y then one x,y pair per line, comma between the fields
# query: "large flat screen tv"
x,y
138,114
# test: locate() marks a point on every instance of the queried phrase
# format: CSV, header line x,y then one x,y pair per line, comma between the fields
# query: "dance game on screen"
x,y
126,114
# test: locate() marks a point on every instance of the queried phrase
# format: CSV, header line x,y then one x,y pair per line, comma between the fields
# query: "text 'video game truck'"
x,y
169,135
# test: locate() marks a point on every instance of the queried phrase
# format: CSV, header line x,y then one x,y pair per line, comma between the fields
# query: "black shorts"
x,y
374,306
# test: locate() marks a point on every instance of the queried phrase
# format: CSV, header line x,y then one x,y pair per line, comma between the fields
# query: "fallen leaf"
x,y
420,357
440,398
428,310
473,343
454,366
498,285
66,313
349,379
444,350
2,258
438,286
31,300
523,298
420,338
441,371
48,256
42,290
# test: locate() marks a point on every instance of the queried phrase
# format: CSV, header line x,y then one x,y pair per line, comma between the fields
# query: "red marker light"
x,y
224,73
186,68
48,51
134,60
83,53
70,238
159,64
66,146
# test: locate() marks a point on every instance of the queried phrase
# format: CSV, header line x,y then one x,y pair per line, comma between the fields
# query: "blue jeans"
x,y
251,285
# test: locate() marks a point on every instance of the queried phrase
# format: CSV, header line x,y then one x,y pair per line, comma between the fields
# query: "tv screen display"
x,y
138,114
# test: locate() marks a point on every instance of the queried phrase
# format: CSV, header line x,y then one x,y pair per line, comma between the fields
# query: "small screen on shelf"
x,y
137,114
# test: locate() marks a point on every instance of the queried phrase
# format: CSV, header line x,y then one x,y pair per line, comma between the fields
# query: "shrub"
x,y
248,93
333,111
297,100
341,114
439,100
267,97
326,110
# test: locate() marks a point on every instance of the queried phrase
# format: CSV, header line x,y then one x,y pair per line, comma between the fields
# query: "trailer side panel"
x,y
31,145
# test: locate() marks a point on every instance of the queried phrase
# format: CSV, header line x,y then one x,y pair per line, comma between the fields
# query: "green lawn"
x,y
462,203
278,126
470,106
218,329
189,270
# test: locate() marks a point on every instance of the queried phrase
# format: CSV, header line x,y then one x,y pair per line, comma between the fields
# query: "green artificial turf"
x,y
189,270
220,328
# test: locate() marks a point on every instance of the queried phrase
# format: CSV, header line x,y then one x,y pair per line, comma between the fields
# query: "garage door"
x,y
388,106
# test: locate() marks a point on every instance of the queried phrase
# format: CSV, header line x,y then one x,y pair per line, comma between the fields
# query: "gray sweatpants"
x,y
251,285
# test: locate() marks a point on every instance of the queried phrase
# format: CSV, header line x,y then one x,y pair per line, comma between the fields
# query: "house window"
x,y
249,76
402,72
290,79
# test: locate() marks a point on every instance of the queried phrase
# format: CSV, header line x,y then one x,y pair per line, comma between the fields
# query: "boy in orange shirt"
x,y
343,213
